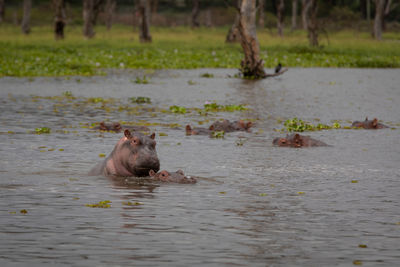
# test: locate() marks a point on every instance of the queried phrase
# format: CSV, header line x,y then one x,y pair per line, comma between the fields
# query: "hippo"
x,y
117,127
228,126
172,177
297,140
369,124
134,155
197,131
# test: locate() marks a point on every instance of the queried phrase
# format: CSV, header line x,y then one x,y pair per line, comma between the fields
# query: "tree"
x,y
280,7
2,10
261,14
312,24
59,19
110,9
195,13
144,29
378,22
25,26
252,66
233,33
91,9
305,5
294,14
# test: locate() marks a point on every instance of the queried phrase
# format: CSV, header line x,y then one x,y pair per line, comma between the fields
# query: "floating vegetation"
x,y
143,80
214,107
177,109
218,134
129,203
207,75
102,204
67,94
298,125
24,211
140,100
102,155
190,82
43,130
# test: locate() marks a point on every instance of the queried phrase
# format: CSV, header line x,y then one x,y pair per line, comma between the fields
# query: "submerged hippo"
x,y
197,131
297,140
117,127
134,155
228,126
172,177
369,124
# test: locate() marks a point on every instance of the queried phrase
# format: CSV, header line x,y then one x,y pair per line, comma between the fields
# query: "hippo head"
x,y
174,177
138,154
116,127
294,140
103,126
244,125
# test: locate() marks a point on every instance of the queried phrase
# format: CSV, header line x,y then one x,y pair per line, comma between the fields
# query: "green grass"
x,y
38,54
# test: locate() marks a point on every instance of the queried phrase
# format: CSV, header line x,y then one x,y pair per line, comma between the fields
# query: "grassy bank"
x,y
40,55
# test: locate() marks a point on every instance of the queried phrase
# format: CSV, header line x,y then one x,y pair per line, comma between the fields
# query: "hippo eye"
x,y
135,141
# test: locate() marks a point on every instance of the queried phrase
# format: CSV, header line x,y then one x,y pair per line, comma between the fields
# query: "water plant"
x,y
177,109
42,130
298,125
140,100
104,204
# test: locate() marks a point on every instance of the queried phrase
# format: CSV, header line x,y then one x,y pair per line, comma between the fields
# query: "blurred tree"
x,y
195,13
110,9
312,23
2,10
144,29
251,66
91,9
380,12
59,19
294,14
26,18
233,33
261,14
305,5
280,8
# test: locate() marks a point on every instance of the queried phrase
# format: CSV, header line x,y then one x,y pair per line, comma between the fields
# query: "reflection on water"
x,y
253,205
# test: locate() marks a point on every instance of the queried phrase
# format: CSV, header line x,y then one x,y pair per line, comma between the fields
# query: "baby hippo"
x,y
369,124
228,126
197,131
172,177
117,127
297,140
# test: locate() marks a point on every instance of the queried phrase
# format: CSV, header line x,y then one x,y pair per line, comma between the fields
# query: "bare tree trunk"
x,y
110,9
144,29
294,14
251,66
25,26
261,14
305,5
233,34
2,10
91,9
368,10
195,14
209,18
385,13
59,19
379,13
312,23
279,14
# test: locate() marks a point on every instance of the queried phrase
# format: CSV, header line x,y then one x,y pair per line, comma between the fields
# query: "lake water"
x,y
254,204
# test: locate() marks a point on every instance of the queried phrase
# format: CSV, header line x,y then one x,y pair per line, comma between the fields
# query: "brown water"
x,y
254,204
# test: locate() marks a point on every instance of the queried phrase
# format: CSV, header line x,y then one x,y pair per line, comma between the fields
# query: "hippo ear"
x,y
297,137
249,124
152,173
188,128
153,136
374,122
180,172
211,127
102,124
127,134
